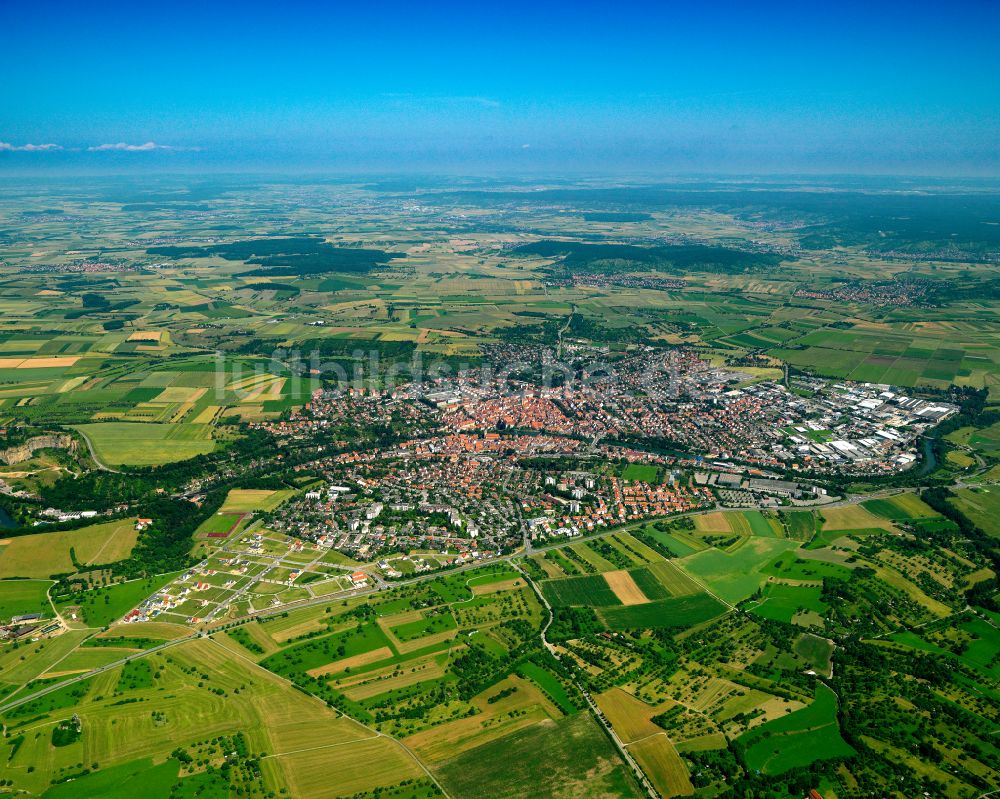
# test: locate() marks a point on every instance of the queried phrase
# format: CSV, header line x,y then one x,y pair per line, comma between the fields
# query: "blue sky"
x,y
586,87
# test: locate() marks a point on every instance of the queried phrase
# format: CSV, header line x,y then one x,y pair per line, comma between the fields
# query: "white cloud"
x,y
123,147
129,148
28,148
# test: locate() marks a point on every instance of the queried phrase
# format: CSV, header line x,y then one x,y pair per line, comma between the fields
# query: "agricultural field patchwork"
x,y
293,502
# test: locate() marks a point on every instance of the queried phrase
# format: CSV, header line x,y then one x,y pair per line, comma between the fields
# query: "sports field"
x,y
641,472
221,522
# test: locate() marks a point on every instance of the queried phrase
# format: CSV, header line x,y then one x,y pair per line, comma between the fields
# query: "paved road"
x,y
93,455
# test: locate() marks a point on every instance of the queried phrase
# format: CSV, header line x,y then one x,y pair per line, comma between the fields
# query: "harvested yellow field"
x,y
173,394
773,708
394,620
72,383
405,647
208,415
293,725
245,383
915,507
624,587
629,716
363,659
644,551
256,634
302,628
270,390
702,743
83,660
852,517
592,557
978,576
664,767
47,363
493,588
548,566
303,621
717,522
146,335
339,770
250,413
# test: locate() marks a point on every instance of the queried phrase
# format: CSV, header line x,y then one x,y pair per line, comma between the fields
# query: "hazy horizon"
x,y
899,89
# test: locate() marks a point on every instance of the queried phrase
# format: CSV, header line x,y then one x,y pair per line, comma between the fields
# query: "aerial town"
x,y
494,464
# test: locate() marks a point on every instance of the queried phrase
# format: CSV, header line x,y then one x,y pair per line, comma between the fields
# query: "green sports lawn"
x,y
640,471
219,523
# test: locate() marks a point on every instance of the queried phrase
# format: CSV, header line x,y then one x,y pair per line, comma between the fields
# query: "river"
x,y
930,459
5,520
